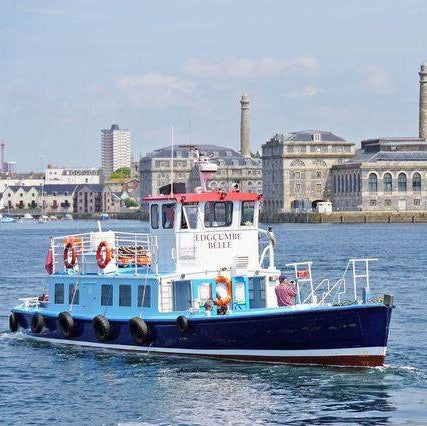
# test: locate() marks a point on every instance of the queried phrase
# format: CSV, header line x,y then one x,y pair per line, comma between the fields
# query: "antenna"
x,y
172,129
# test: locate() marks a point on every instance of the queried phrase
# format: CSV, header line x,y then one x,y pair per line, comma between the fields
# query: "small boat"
x,y
67,216
203,282
43,219
27,217
104,216
7,219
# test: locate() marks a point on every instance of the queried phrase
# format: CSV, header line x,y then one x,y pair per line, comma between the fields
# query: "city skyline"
x,y
68,70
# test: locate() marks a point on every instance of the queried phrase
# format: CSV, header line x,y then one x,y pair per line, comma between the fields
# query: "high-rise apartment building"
x,y
115,149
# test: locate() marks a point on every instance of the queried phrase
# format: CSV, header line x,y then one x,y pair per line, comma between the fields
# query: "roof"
x,y
191,197
95,187
218,153
26,188
363,156
307,136
58,188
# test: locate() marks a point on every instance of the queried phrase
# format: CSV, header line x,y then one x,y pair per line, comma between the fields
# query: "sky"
x,y
71,68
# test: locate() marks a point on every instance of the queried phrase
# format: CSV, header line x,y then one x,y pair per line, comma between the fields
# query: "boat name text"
x,y
219,240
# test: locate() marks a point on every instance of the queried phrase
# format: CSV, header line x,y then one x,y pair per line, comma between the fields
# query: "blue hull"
x,y
353,335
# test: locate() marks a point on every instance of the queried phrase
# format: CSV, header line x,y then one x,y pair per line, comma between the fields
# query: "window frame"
x,y
147,296
110,300
62,287
228,221
128,288
164,221
71,287
242,215
156,216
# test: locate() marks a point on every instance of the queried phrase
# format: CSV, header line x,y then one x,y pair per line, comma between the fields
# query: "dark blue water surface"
x,y
42,383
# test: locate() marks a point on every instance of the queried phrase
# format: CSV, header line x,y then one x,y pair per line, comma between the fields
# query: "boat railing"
x,y
339,292
128,250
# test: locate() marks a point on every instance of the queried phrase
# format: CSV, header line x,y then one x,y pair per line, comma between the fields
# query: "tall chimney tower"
x,y
423,101
2,164
245,147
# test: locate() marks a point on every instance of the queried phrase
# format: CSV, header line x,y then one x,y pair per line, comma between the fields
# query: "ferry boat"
x,y
202,283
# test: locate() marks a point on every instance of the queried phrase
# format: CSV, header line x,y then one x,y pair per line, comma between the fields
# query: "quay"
x,y
347,217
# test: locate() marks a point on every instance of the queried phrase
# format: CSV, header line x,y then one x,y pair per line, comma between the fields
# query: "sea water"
x,y
48,384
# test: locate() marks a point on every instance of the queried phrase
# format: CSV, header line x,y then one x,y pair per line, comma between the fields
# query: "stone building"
x,y
296,168
95,198
243,168
387,173
156,169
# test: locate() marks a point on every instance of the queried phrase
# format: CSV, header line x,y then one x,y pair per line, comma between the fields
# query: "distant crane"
x,y
2,164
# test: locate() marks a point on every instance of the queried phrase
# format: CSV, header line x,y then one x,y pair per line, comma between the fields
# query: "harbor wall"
x,y
347,217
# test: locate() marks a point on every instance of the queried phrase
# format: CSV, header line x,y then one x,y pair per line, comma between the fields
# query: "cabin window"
x,y
73,294
182,295
59,293
144,296
189,216
106,295
154,215
248,211
218,213
125,295
168,215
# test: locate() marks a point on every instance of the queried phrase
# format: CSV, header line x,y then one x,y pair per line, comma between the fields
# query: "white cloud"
x,y
249,68
154,90
378,79
306,92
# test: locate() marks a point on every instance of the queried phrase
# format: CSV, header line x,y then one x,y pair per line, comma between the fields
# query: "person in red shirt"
x,y
285,292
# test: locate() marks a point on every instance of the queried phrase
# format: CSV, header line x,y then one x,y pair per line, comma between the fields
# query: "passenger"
x,y
44,298
208,307
223,310
285,291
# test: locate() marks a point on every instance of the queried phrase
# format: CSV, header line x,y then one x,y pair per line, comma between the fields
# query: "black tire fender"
x,y
13,322
182,323
102,328
139,330
67,325
37,323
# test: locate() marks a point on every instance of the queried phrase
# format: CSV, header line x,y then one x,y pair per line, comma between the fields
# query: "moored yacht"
x,y
202,282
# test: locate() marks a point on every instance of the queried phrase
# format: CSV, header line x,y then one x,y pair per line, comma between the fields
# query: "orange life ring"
x,y
67,262
100,259
227,299
77,242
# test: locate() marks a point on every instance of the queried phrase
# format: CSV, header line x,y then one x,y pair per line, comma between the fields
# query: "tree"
x,y
123,172
131,202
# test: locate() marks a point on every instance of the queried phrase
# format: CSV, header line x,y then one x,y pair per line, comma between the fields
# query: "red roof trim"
x,y
191,197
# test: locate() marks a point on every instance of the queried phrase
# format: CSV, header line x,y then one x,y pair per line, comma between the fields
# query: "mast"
x,y
172,129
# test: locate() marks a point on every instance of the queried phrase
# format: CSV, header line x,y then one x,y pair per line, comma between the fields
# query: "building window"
x,y
316,137
373,182
297,175
373,202
154,216
125,295
417,202
73,294
59,293
144,296
318,174
387,203
290,148
318,188
416,183
354,183
168,215
106,295
401,179
388,183
218,213
351,183
346,184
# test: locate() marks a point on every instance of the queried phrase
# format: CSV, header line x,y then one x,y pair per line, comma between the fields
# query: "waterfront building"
x,y
387,173
156,169
115,149
296,168
95,198
245,169
77,176
23,179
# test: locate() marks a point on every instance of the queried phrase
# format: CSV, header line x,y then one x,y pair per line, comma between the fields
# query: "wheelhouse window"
x,y
106,295
168,216
416,182
388,182
154,215
248,212
189,216
373,182
125,295
144,296
73,294
401,182
59,293
218,213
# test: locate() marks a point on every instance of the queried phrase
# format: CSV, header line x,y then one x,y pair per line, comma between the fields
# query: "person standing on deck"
x,y
285,292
